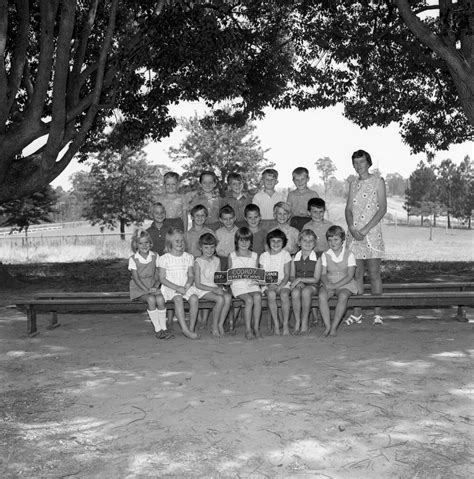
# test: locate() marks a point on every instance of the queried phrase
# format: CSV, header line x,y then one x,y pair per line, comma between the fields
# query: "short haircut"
x,y
170,174
336,230
197,208
283,205
301,170
277,234
234,176
251,208
226,210
270,172
207,238
360,154
207,173
245,234
172,232
316,203
307,233
138,234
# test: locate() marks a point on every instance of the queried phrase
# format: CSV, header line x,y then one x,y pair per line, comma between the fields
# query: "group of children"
x,y
291,237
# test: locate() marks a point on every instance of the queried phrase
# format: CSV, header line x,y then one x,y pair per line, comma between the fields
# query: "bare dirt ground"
x,y
101,397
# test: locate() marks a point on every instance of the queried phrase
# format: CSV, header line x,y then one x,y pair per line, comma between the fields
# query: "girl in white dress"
x,y
177,277
246,289
278,259
204,268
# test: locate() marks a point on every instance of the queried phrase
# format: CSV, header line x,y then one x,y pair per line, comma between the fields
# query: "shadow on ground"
x,y
100,397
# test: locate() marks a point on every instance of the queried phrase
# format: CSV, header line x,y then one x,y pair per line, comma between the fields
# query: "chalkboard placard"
x,y
256,274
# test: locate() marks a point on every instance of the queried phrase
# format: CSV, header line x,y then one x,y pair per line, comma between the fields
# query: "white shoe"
x,y
378,319
353,319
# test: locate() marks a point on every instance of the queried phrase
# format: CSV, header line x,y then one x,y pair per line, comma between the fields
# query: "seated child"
x,y
225,234
237,198
204,268
337,277
246,289
145,283
304,276
198,228
209,197
317,209
174,203
282,214
298,199
253,218
176,270
267,198
277,259
157,230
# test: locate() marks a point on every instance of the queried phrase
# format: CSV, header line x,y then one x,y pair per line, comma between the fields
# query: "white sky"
x,y
297,138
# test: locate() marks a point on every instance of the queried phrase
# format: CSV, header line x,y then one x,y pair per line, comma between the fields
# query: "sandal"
x,y
378,319
353,319
161,334
168,334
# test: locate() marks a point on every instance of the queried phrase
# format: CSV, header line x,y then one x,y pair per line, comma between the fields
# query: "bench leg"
x,y
31,328
461,315
53,322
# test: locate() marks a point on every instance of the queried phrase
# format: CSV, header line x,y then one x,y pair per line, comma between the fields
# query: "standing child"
x,y
237,198
198,228
144,284
174,203
225,234
158,228
317,209
253,218
267,198
304,276
337,277
177,276
282,214
204,268
278,259
298,199
245,289
209,197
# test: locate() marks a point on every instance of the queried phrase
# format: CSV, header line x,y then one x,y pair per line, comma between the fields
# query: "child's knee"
x,y
307,293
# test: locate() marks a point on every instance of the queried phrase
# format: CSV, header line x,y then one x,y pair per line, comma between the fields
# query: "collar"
x,y
312,256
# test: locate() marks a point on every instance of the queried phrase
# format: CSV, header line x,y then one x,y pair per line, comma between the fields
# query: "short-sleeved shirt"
x,y
320,231
174,207
158,236
191,240
298,201
266,203
226,241
213,205
337,259
304,268
238,205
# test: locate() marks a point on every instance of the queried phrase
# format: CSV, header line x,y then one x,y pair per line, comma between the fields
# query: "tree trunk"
x,y
122,229
449,221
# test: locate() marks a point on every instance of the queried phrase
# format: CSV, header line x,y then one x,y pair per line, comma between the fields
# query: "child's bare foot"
x,y
258,334
221,330
286,332
304,331
326,332
216,333
276,331
296,332
191,335
333,332
249,335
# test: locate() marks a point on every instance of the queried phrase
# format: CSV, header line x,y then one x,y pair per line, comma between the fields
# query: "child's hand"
x,y
153,290
295,283
218,291
181,290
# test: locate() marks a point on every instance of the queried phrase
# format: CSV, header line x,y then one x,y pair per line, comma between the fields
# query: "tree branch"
x,y
61,71
454,61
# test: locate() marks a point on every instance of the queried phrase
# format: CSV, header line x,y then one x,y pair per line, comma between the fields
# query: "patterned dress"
x,y
364,206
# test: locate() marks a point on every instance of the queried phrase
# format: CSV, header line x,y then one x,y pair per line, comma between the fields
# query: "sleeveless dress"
x,y
146,272
208,268
242,286
364,207
336,270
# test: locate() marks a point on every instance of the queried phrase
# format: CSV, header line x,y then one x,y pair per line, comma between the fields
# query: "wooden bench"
x,y
396,295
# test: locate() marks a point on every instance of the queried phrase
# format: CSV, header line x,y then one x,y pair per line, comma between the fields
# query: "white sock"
x,y
161,315
155,319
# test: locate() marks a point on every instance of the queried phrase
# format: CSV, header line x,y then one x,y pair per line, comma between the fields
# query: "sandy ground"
x,y
101,397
